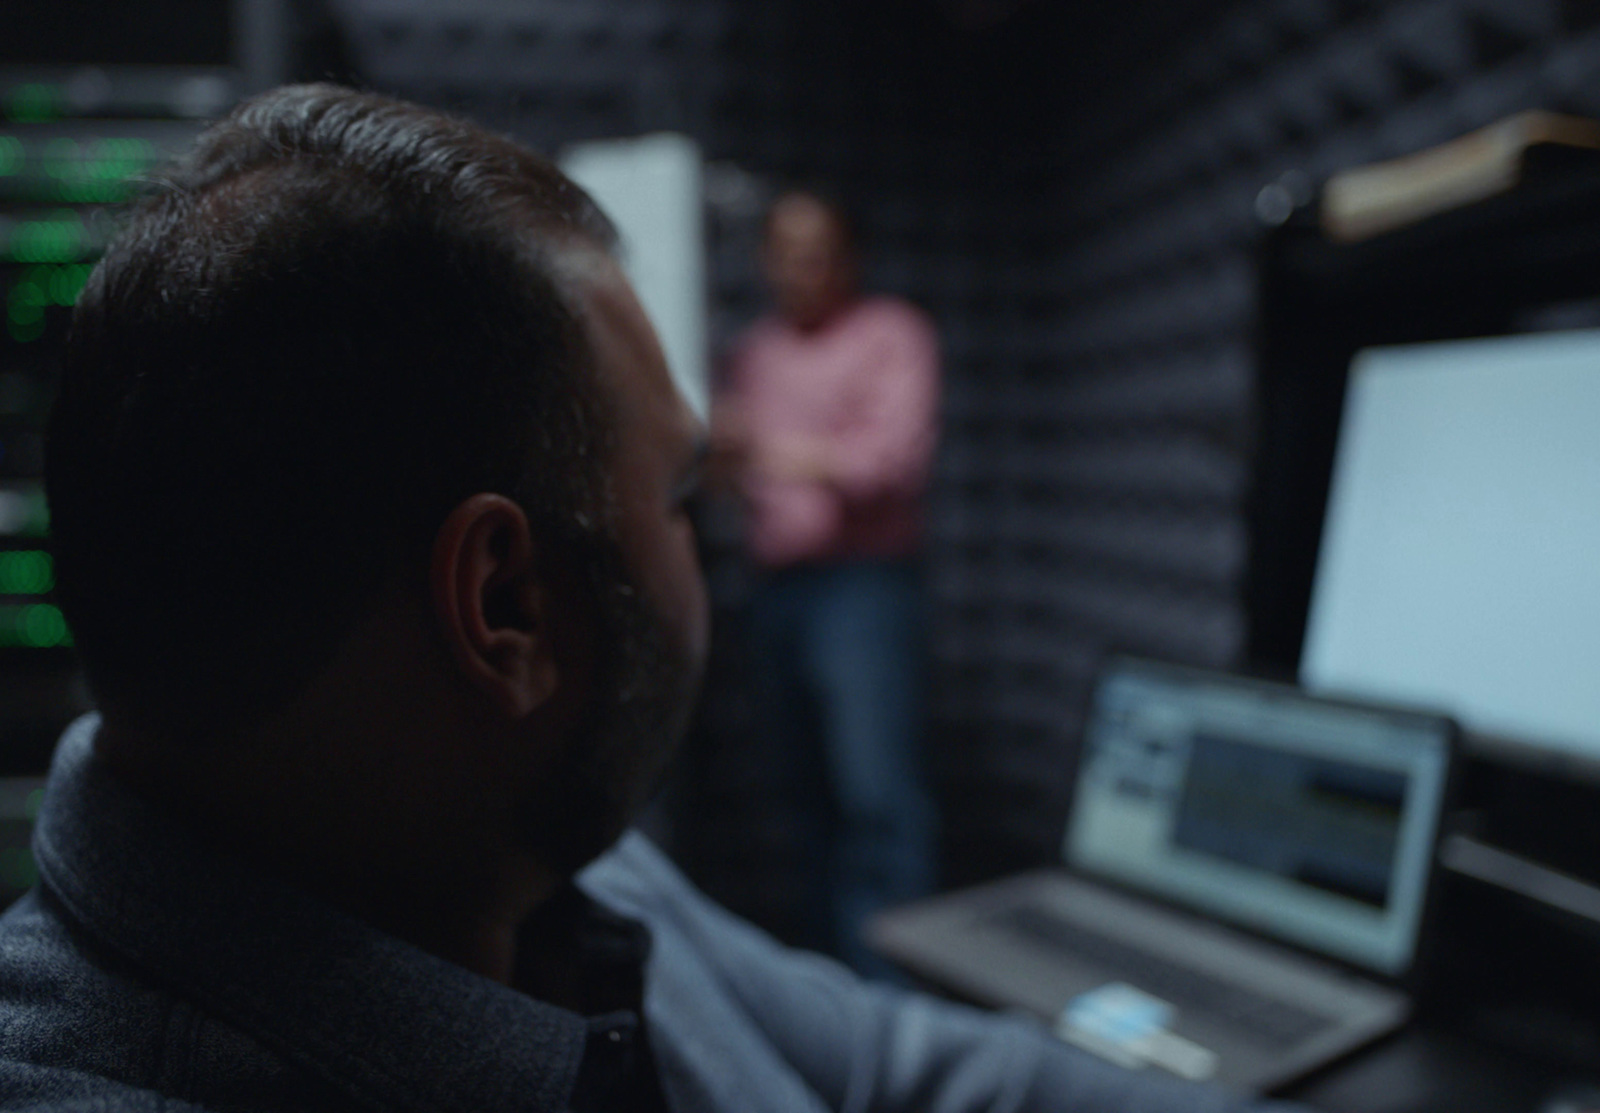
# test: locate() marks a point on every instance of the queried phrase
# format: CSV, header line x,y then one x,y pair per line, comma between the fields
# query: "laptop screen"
x,y
1309,820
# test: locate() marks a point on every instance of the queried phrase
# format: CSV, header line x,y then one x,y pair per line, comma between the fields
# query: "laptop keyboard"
x,y
1269,1021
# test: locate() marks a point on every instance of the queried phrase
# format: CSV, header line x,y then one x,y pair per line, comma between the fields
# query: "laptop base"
x,y
1204,1001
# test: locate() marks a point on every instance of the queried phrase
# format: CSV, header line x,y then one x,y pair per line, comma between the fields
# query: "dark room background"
x,y
1074,192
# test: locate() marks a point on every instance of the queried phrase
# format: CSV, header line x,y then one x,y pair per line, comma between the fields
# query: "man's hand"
x,y
736,452
797,457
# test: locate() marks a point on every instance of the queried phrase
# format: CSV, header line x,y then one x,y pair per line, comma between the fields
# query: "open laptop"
x,y
1247,870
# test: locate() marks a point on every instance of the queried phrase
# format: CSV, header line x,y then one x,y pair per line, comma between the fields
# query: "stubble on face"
x,y
615,758
643,583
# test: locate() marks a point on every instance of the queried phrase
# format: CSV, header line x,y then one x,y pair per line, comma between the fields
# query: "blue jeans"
x,y
839,667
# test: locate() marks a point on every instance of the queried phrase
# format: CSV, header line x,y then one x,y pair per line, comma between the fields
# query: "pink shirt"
x,y
862,392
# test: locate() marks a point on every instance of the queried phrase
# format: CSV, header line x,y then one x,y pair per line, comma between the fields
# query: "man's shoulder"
x,y
37,1088
885,312
53,973
60,1012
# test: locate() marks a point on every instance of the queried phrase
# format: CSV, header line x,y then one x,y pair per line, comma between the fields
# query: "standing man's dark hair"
x,y
336,319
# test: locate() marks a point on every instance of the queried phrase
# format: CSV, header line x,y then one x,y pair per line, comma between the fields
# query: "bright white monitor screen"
x,y
1460,560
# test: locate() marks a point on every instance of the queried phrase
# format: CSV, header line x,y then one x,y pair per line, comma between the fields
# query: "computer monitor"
x,y
1460,558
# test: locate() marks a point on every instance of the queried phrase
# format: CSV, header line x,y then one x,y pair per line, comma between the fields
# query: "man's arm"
x,y
890,428
858,1045
884,440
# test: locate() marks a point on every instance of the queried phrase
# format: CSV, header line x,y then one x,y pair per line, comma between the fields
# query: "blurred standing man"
x,y
832,409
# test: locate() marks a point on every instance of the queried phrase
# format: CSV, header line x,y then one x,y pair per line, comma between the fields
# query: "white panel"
x,y
651,188
1460,562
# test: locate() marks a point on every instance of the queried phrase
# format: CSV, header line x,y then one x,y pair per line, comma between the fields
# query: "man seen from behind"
x,y
368,487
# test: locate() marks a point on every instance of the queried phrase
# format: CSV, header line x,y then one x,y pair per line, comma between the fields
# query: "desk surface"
x,y
1426,1069
1469,1053
1508,1017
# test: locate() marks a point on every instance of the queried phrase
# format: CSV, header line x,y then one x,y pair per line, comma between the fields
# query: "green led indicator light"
x,y
65,283
25,310
96,171
57,239
61,158
115,160
26,301
33,626
34,102
11,156
24,315
39,288
88,192
26,572
42,626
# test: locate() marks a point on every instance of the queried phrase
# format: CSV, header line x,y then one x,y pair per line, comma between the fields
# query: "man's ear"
x,y
492,605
